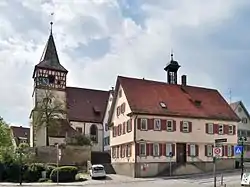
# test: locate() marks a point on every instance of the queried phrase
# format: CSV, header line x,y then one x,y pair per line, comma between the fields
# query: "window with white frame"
x,y
128,150
210,128
129,125
142,149
221,129
156,149
230,129
192,150
170,125
144,124
113,152
157,124
168,149
229,150
185,126
209,150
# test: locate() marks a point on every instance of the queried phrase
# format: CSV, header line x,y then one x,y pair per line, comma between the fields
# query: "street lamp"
x,y
241,140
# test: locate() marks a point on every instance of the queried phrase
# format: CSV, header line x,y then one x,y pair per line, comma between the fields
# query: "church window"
x,y
93,133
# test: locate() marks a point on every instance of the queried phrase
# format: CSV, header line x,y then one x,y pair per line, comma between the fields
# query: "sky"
x,y
99,39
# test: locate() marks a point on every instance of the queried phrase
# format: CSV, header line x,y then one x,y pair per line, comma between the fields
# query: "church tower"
x,y
49,76
172,69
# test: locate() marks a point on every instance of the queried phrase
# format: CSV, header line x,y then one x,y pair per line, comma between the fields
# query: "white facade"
x,y
244,124
106,130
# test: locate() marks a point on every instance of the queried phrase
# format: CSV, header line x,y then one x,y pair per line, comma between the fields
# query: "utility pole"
x,y
242,139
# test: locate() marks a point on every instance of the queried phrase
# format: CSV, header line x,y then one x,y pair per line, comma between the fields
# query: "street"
x,y
231,179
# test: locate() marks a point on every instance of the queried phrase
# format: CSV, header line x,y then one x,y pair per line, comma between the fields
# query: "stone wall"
x,y
71,155
155,169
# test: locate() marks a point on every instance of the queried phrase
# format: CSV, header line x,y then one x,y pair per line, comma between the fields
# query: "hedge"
x,y
65,173
30,173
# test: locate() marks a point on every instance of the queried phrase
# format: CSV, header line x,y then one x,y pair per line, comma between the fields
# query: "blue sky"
x,y
100,39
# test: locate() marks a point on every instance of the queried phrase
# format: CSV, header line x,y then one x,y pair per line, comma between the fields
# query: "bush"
x,y
33,172
66,174
49,169
11,173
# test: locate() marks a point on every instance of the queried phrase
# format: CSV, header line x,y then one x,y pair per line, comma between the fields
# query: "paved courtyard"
x,y
232,180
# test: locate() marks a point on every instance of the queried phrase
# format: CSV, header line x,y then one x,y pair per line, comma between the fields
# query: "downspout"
x,y
135,128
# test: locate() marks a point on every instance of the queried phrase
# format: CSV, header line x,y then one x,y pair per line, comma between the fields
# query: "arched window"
x,y
93,133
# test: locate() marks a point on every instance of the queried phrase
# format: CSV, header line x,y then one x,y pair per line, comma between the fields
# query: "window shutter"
x,y
188,149
137,149
225,150
139,123
216,129
163,124
127,126
181,126
234,129
160,149
232,148
173,149
205,150
225,129
206,130
150,124
174,125
164,149
190,126
196,150
151,149
147,149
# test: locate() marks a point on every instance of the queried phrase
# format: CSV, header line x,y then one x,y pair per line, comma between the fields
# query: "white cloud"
x,y
134,50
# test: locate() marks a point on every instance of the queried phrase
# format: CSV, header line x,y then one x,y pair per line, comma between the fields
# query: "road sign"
x,y
245,179
221,140
217,151
238,150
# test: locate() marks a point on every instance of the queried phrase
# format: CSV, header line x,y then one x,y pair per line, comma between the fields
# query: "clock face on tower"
x,y
43,80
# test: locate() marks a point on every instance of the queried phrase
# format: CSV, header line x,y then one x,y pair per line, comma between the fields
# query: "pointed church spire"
x,y
49,58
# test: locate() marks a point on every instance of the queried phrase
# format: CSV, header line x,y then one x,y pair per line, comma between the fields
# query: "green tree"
x,y
48,113
5,134
6,145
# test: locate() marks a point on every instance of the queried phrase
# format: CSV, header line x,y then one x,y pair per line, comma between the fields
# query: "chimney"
x,y
184,80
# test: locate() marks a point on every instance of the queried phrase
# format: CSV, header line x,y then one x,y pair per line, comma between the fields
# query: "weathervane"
x,y
51,22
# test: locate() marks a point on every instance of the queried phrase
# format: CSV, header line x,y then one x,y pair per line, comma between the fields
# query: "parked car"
x,y
97,171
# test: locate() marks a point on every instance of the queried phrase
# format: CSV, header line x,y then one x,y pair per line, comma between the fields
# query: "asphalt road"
x,y
231,179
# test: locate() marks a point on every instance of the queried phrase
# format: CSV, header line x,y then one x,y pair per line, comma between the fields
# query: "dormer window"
x,y
163,105
197,102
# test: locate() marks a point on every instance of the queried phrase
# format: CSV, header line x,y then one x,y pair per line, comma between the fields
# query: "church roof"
x,y
86,105
146,97
50,59
235,105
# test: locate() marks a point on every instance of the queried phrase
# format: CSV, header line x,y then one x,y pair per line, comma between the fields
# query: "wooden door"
x,y
181,153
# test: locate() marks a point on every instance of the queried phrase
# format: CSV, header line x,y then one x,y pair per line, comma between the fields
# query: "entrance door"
x,y
181,156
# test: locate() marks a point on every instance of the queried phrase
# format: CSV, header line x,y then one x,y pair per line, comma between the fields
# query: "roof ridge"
x,y
91,89
165,83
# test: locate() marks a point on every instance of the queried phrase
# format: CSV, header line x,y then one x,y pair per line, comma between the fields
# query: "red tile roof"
x,y
20,132
86,105
62,129
144,97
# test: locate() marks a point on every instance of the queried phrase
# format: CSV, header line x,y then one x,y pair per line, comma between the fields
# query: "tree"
x,y
6,145
80,140
5,134
48,113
